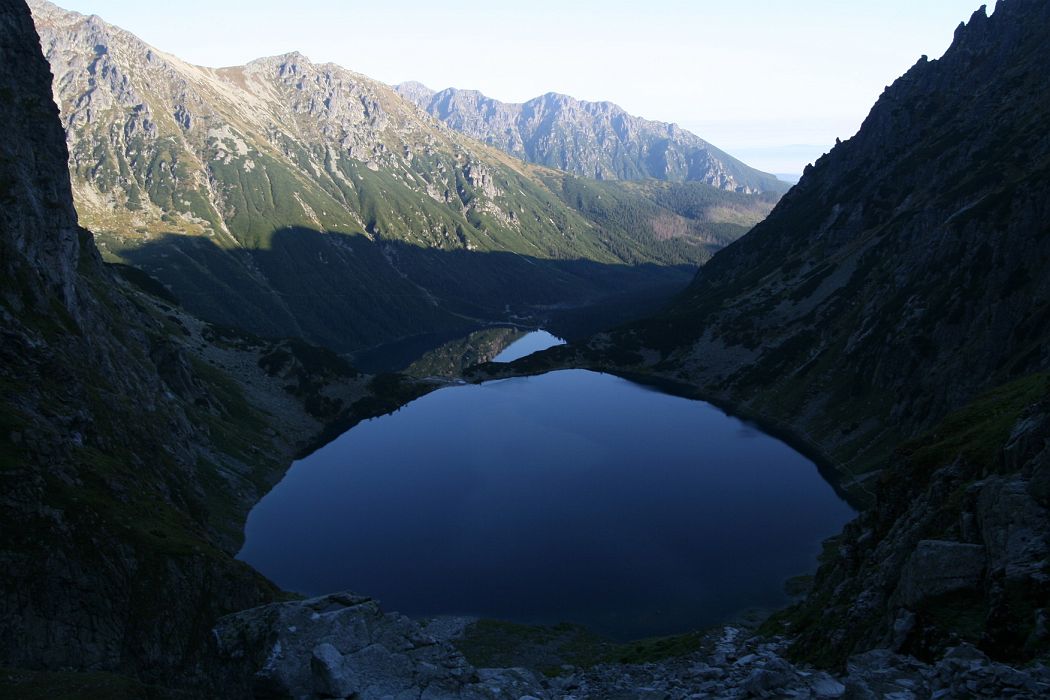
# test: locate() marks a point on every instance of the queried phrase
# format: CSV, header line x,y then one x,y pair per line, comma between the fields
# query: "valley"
x,y
269,333
293,199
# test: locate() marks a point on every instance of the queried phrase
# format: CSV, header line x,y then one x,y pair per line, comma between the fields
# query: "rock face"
x,y
985,579
40,241
344,646
260,193
133,436
591,139
75,348
905,273
936,568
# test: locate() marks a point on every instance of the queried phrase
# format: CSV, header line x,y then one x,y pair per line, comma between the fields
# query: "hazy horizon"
x,y
773,84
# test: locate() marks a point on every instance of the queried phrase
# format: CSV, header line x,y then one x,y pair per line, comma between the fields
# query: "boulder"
x,y
937,567
344,645
331,675
509,682
880,673
1013,526
826,688
762,681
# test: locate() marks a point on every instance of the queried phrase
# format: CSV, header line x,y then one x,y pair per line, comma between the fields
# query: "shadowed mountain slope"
x,y
907,270
893,314
133,437
165,156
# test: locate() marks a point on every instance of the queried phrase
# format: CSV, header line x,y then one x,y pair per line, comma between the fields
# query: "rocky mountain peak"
x,y
414,91
592,139
558,98
50,11
292,61
974,26
227,165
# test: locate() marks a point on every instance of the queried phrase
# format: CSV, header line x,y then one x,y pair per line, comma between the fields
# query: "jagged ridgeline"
x,y
591,139
290,198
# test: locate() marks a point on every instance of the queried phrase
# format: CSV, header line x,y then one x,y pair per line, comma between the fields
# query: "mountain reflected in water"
x,y
571,496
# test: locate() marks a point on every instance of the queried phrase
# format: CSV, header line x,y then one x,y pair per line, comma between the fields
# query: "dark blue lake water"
x,y
530,343
572,496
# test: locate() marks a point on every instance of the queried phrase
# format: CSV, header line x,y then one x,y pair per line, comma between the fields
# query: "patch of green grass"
x,y
142,518
546,648
978,431
235,431
500,644
659,648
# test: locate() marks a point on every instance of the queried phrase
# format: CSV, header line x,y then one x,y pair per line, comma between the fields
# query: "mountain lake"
x,y
572,496
530,343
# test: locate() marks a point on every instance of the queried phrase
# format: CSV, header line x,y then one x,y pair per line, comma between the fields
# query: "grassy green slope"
x,y
259,193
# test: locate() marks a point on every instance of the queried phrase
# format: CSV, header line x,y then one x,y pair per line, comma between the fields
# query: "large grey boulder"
x,y
332,677
344,646
1014,528
881,674
937,567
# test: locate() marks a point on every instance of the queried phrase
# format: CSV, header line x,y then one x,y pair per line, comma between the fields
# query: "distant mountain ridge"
x,y
591,139
296,199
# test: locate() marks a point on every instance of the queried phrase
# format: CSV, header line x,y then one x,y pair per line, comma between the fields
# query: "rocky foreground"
x,y
345,646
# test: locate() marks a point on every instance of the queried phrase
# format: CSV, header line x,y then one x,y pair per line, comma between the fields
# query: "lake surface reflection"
x,y
532,342
571,496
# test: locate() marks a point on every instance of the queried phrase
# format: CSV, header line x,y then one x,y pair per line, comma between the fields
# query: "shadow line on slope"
x,y
349,293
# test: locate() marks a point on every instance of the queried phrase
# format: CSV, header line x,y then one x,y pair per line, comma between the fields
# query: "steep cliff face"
x,y
133,437
906,272
591,139
894,312
220,182
954,549
40,246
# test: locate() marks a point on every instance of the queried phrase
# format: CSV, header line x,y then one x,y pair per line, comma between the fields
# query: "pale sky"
x,y
773,82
